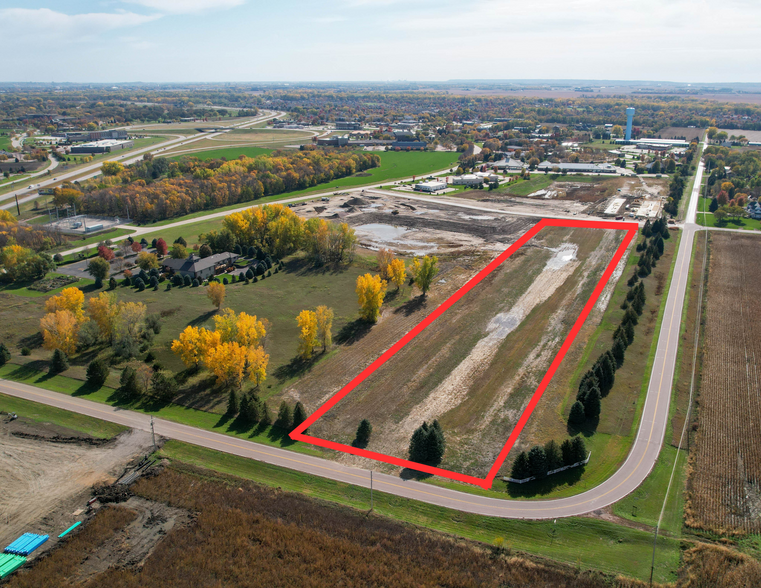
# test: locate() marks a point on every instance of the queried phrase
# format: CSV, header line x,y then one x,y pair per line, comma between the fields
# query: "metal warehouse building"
x,y
105,146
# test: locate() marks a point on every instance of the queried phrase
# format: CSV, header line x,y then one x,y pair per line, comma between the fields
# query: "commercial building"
x,y
345,125
509,165
467,180
92,135
655,144
105,146
333,141
430,186
408,145
575,168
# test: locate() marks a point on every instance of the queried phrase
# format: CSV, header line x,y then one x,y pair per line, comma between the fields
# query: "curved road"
x,y
632,473
126,158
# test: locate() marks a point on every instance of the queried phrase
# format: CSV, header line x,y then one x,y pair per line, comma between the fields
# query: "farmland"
x,y
724,495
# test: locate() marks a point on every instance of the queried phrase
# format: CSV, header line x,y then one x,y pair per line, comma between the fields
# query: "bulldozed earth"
x,y
476,367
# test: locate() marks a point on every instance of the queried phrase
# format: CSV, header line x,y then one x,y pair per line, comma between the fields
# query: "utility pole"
x,y
153,435
18,210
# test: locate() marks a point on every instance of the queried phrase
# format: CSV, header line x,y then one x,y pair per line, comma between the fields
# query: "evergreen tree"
x,y
435,444
619,351
566,449
647,229
112,283
59,362
553,455
577,416
362,438
629,332
418,451
520,469
97,372
579,449
266,418
299,414
5,355
232,403
128,385
181,241
284,416
537,461
714,206
592,404
254,409
631,317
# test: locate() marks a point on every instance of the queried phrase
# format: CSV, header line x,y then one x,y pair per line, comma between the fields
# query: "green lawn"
x,y
48,414
582,542
5,140
707,219
22,289
227,153
540,182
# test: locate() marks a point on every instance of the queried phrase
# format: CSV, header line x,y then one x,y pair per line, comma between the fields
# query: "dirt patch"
x,y
47,472
131,546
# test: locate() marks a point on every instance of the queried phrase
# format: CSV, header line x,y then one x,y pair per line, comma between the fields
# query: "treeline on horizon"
x,y
155,188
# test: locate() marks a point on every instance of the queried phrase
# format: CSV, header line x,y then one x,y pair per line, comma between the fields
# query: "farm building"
x,y
430,186
200,267
572,168
467,180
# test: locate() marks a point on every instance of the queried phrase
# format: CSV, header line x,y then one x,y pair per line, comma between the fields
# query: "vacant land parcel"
x,y
724,489
477,368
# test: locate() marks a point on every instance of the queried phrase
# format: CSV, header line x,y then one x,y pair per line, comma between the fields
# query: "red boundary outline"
x,y
299,435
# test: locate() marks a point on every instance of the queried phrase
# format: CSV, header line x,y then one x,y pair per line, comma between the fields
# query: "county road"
x,y
631,474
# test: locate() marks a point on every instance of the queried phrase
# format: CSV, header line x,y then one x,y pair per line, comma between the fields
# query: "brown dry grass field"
x,y
243,535
476,367
724,487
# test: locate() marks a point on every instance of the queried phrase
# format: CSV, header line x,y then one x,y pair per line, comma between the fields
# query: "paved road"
x,y
25,194
632,473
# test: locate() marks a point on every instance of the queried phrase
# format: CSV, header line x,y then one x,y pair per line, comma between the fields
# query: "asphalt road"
x,y
632,473
25,194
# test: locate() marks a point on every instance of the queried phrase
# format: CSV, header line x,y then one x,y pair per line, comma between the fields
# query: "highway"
x,y
81,173
630,475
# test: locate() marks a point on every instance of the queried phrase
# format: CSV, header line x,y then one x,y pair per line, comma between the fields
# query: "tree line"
x,y
539,460
193,185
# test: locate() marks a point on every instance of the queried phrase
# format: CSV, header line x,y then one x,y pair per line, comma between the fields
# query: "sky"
x,y
379,40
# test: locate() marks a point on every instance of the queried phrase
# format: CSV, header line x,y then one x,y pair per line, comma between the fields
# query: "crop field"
x,y
724,487
476,368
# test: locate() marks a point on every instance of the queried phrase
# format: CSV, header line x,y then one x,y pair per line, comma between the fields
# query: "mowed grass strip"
x,y
48,414
583,542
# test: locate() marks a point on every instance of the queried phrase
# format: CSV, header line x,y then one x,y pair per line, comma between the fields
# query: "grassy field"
x,y
540,182
49,414
220,152
584,543
5,140
707,219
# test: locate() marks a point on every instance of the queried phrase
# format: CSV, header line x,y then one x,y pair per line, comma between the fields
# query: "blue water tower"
x,y
629,120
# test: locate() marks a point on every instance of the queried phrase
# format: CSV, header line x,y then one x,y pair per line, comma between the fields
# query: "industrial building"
x,y
509,165
333,141
74,137
104,146
573,168
430,186
467,180
344,125
408,145
655,144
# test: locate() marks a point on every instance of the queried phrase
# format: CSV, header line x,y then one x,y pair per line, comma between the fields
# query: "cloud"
x,y
187,6
26,23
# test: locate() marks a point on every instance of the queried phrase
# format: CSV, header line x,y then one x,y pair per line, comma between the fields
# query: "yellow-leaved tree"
x,y
59,331
104,310
307,322
227,361
425,272
324,326
256,365
188,347
397,272
215,292
370,293
7,217
71,299
243,328
384,257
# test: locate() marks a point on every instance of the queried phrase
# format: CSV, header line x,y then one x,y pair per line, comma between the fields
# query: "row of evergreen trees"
x,y
252,410
598,381
540,460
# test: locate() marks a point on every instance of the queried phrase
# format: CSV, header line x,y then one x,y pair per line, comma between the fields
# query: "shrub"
x,y
97,372
5,355
24,351
153,322
195,284
249,273
140,285
269,273
168,286
225,281
186,281
163,386
59,362
154,281
128,384
58,258
112,283
127,281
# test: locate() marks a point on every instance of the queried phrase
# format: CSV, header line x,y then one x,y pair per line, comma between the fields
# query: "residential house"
x,y
200,268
